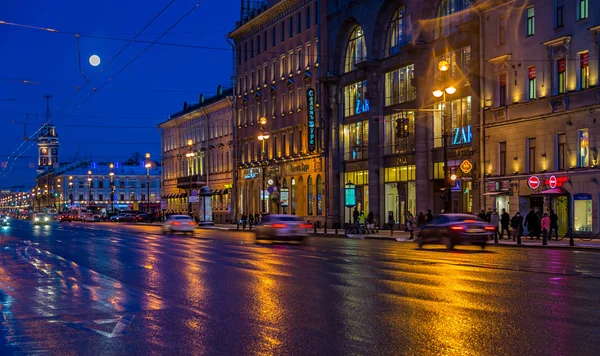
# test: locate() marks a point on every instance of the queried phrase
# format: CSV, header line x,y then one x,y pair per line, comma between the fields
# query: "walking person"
x,y
517,224
361,222
420,219
355,215
504,222
429,216
410,224
532,224
495,221
391,222
244,221
371,222
553,224
545,225
482,215
250,220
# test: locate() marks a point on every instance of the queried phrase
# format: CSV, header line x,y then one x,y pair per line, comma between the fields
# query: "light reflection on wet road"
x,y
107,288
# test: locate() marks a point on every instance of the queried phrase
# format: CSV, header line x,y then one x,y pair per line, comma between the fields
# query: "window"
x,y
354,99
582,9
245,52
282,31
398,32
459,61
398,86
274,70
582,206
309,188
80,197
562,75
258,44
584,70
251,48
532,83
300,141
399,133
501,30
299,59
319,195
265,41
142,198
283,66
307,17
356,51
273,32
283,146
530,21
276,152
239,54
291,27
273,106
91,197
291,102
459,111
299,23
121,197
583,148
561,140
502,158
356,140
450,14
502,90
559,16
80,184
531,155
299,99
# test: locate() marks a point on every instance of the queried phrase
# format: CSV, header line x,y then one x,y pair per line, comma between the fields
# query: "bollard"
x,y
545,237
315,227
571,240
325,229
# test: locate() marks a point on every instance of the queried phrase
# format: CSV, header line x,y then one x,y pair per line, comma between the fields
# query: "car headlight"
x,y
37,219
45,219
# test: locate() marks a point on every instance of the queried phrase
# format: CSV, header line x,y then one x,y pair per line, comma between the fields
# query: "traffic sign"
x,y
552,182
533,182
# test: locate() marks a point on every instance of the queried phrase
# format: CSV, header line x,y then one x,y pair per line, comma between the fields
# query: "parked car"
x,y
455,229
117,217
4,220
89,217
179,223
282,227
65,217
40,219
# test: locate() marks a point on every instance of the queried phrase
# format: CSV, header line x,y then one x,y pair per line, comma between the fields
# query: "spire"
x,y
48,115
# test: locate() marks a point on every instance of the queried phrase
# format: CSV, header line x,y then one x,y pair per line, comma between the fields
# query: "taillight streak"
x,y
176,223
305,226
279,226
490,228
457,228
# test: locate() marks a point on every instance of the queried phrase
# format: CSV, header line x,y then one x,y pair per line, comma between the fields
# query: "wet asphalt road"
x,y
117,289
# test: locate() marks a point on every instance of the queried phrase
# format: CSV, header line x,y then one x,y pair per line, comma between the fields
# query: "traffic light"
x,y
453,180
405,128
398,128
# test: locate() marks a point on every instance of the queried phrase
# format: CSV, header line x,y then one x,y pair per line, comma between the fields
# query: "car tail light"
x,y
490,228
176,223
192,223
305,226
470,221
457,228
279,226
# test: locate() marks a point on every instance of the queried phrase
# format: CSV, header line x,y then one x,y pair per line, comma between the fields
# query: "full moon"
x,y
94,60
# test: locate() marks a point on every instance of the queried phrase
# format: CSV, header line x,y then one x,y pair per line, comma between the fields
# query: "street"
x,y
105,288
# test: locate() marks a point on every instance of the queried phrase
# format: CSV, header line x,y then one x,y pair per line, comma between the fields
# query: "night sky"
x,y
121,117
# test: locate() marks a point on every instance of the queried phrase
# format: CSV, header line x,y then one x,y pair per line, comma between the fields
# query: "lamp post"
x,y
112,188
89,188
263,136
60,197
443,66
148,165
71,189
190,155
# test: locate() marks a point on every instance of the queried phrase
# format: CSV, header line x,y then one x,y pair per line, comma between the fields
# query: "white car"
x,y
282,227
41,219
179,223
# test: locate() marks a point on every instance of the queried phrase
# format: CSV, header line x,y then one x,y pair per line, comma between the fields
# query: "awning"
x,y
555,191
493,194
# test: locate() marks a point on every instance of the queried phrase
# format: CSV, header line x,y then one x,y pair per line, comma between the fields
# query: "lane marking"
x,y
102,326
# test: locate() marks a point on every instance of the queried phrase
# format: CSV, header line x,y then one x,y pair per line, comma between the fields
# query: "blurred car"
x,y
179,223
65,217
40,219
124,218
455,229
282,227
117,217
89,217
4,220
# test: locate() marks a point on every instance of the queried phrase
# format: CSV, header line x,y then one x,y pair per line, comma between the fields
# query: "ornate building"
x,y
280,165
197,149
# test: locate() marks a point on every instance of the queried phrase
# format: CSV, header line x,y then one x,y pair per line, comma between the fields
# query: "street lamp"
x,y
263,136
89,187
112,188
71,189
148,165
190,155
443,66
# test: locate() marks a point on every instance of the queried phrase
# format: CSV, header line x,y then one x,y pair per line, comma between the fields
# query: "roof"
x,y
201,104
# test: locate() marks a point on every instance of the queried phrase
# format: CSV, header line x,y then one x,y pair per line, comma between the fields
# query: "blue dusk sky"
x,y
105,120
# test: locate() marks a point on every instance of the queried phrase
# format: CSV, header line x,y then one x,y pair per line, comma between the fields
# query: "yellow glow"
x,y
147,155
262,121
453,177
190,142
111,166
451,90
443,66
437,93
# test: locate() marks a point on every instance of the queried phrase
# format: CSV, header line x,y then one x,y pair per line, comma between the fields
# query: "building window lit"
x,y
561,156
356,140
319,195
356,51
582,9
532,83
459,114
459,62
361,181
399,133
530,21
582,216
583,155
309,192
531,155
502,90
501,31
562,75
559,16
450,14
398,86
355,101
398,32
584,70
502,158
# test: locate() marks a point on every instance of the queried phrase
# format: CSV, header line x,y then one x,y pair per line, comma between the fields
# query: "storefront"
x,y
400,189
360,178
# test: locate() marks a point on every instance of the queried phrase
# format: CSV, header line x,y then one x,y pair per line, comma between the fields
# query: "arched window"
x,y
356,51
399,32
450,14
319,195
293,191
309,195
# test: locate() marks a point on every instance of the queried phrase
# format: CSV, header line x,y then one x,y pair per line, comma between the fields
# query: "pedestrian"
x,y
495,221
545,225
244,219
532,224
371,222
391,222
361,221
410,224
488,215
250,220
256,219
482,215
420,219
429,216
355,215
517,224
553,224
504,222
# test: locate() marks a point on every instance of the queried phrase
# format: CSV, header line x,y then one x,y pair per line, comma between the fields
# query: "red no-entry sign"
x,y
552,182
533,182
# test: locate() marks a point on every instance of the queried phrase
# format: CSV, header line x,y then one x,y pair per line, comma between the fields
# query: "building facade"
x,y
385,127
197,148
281,162
541,109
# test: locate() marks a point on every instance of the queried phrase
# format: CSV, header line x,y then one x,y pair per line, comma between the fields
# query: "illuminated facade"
x,y
277,65
541,106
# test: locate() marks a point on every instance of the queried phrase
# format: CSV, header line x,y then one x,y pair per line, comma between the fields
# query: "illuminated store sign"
x,y
361,105
312,130
462,135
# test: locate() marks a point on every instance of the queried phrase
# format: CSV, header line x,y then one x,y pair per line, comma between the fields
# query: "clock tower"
x,y
47,142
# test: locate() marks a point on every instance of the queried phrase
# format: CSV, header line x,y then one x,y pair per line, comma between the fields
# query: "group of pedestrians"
x,y
537,226
365,224
250,220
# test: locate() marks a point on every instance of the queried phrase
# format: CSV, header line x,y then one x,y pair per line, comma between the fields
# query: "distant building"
x,y
208,161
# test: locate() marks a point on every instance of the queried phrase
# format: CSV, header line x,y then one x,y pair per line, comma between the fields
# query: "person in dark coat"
x,y
553,224
482,215
533,224
355,215
429,216
504,222
421,219
517,224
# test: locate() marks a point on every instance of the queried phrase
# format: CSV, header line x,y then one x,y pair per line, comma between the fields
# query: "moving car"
x,y
65,217
126,217
455,229
89,217
282,227
179,223
40,219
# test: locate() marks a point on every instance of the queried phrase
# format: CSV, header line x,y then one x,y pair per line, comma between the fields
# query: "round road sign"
x,y
533,182
552,182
